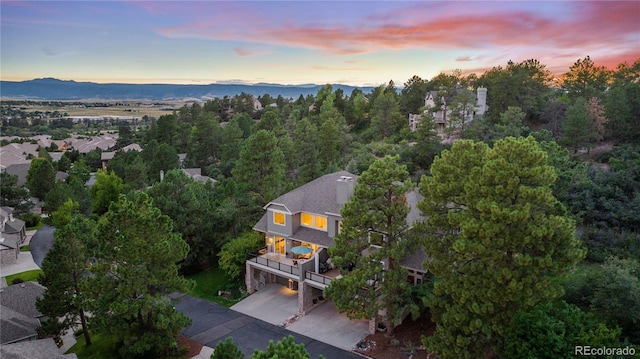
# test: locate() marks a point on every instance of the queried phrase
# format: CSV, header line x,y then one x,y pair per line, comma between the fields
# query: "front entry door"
x,y
280,245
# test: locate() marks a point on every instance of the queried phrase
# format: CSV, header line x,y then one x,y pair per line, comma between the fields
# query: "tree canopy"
x,y
496,236
371,243
136,267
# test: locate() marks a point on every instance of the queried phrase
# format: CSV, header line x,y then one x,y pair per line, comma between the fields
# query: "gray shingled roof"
x,y
18,312
20,170
34,349
314,236
22,298
415,260
317,196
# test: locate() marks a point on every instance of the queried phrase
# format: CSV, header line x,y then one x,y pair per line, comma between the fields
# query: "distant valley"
x,y
54,89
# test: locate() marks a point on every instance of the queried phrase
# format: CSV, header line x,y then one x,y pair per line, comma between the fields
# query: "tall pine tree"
x,y
496,236
63,270
371,241
136,267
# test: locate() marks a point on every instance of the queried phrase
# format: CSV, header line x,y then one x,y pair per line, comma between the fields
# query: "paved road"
x,y
41,243
213,323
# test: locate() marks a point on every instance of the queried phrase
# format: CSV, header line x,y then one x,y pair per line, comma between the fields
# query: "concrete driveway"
x,y
276,304
213,323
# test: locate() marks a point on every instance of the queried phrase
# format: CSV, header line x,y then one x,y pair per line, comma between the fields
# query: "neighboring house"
x,y
12,236
196,174
19,317
305,221
105,157
18,169
442,115
15,159
84,145
34,349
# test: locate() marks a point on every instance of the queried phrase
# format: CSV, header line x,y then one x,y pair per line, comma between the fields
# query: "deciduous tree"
x,y
233,255
107,188
496,237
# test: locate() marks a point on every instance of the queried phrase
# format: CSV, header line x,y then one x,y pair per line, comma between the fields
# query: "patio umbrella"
x,y
300,250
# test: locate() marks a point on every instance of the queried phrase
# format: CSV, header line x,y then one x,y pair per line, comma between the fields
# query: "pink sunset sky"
x,y
289,42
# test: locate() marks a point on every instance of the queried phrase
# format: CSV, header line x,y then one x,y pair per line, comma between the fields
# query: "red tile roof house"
x,y
309,217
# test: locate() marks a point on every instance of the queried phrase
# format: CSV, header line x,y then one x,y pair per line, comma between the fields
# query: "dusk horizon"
x,y
297,43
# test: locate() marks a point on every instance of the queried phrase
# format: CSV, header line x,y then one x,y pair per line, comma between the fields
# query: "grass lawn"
x,y
102,347
25,248
36,227
210,281
28,276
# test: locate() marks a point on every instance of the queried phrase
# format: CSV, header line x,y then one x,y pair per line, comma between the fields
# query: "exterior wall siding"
x,y
285,230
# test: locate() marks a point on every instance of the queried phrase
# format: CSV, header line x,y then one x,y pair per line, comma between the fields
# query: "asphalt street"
x,y
41,243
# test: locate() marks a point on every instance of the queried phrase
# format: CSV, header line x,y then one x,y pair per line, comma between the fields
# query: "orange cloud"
x,y
586,28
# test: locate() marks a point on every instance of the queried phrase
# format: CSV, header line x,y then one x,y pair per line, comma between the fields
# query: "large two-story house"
x,y
299,226
442,113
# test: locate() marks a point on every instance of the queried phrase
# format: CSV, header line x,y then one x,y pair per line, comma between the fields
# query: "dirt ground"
x,y
192,346
406,342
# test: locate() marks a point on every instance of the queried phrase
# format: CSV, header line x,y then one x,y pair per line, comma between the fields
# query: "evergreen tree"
x,y
260,169
577,126
135,268
231,141
191,207
41,177
372,241
204,142
227,349
284,349
13,195
585,79
412,95
386,118
496,237
64,267
307,151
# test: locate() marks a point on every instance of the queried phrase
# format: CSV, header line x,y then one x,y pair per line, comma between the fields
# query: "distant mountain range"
x,y
54,89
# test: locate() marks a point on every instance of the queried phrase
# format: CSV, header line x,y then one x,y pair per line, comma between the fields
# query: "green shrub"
x,y
233,255
227,350
553,331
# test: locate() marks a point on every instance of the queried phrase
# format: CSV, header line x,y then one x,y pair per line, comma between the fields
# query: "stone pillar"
x,y
372,326
305,298
248,279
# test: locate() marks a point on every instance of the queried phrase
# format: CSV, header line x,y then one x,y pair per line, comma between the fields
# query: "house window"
x,y
313,221
307,220
321,223
278,218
